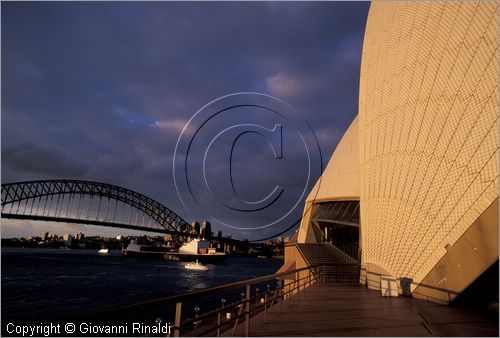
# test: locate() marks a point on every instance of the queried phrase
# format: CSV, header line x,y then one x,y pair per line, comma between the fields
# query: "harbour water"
x,y
43,284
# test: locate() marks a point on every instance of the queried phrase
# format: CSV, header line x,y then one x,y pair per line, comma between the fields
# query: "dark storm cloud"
x,y
30,160
101,91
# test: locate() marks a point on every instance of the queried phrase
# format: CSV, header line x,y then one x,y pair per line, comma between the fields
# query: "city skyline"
x,y
102,91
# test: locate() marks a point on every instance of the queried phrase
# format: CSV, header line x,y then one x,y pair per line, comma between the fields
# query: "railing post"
x,y
196,322
218,324
297,279
266,298
177,321
219,320
238,313
247,311
280,296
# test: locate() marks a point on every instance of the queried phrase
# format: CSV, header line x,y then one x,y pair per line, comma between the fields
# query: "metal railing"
x,y
227,313
226,318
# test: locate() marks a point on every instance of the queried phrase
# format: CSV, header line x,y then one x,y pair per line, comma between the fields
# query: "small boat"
x,y
103,251
196,266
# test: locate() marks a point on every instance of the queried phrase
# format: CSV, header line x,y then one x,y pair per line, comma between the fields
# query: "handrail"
x,y
190,320
198,293
238,313
245,306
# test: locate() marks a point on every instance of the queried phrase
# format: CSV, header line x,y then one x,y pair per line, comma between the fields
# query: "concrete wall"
x,y
464,262
339,181
293,260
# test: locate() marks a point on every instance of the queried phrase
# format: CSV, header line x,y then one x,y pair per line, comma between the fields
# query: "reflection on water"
x,y
38,284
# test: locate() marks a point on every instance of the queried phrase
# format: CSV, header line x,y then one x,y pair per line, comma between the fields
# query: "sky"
x,y
102,91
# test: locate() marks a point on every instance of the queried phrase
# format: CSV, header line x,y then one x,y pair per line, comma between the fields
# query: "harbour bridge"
x,y
87,202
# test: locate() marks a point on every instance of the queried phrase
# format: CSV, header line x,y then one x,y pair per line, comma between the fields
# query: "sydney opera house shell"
x,y
411,191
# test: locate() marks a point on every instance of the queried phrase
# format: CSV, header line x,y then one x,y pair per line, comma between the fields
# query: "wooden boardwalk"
x,y
348,310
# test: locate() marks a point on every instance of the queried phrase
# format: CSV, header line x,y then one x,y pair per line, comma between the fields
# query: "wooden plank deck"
x,y
348,310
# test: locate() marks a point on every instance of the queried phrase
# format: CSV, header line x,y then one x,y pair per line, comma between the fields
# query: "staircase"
x,y
339,267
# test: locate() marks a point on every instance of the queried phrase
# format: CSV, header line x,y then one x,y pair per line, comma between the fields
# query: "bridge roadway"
x,y
98,223
331,309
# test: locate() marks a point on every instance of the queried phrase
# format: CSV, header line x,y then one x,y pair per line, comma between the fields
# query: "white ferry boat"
x,y
197,249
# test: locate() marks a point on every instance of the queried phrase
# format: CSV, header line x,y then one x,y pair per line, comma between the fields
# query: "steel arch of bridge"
x,y
17,192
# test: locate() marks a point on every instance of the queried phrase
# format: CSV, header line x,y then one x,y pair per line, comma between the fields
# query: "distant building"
x,y
44,236
196,227
80,236
206,230
68,239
